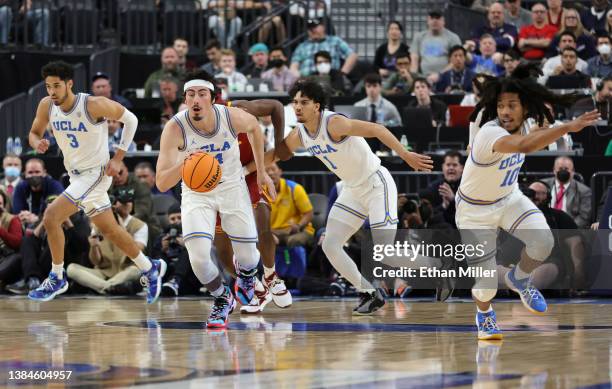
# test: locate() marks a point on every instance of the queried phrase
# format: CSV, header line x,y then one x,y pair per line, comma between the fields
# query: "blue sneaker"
x,y
50,288
244,288
222,307
152,279
531,297
487,326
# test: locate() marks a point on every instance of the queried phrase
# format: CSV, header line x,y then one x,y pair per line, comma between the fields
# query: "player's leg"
x,y
526,222
238,222
198,218
55,215
153,270
478,227
267,247
224,250
345,218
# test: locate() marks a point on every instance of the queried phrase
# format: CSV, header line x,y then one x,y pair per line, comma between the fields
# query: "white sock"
x,y
487,311
519,274
219,291
268,271
58,270
142,262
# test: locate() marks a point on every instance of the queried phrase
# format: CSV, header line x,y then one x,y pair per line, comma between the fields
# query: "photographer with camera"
x,y
35,252
113,272
179,278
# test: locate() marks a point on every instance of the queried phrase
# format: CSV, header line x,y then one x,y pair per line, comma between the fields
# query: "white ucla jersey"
x,y
83,142
351,159
490,176
221,143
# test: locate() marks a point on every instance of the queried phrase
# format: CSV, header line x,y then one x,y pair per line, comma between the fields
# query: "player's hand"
x,y
585,120
112,168
266,186
418,162
42,146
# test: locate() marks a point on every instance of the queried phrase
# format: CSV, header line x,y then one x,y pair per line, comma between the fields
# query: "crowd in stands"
x,y
573,46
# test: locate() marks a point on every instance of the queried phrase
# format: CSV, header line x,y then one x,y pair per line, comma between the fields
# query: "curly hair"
x,y
532,95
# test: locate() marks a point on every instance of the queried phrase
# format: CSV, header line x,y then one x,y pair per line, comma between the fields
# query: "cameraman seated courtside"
x,y
112,267
179,278
36,254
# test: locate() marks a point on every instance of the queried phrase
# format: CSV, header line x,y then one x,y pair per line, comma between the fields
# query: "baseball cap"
x,y
258,48
100,75
435,13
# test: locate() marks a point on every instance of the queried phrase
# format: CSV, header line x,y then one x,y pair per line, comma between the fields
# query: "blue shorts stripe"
x,y
476,201
350,210
522,218
194,235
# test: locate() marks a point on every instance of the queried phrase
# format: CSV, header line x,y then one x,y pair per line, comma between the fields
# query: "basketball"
x,y
201,172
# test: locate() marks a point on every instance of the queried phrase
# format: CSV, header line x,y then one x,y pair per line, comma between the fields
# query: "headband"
x,y
199,82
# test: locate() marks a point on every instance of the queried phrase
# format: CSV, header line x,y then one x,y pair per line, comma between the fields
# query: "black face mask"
x,y
563,176
35,181
277,63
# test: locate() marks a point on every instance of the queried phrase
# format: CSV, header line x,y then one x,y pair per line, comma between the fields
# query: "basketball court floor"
x,y
316,343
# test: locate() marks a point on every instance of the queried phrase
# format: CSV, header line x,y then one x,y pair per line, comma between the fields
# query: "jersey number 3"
x,y
74,142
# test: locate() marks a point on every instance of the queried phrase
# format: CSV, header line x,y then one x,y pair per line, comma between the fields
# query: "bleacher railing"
x,y
12,117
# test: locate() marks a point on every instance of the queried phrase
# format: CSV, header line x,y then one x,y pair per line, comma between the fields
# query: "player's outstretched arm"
x,y
168,170
265,107
291,143
340,126
39,126
101,108
540,138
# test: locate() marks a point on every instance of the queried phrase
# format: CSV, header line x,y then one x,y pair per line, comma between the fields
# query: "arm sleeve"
x,y
130,122
142,235
482,146
12,236
302,202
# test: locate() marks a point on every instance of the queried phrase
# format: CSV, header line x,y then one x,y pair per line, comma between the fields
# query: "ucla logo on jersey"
x,y
318,149
66,125
213,148
514,159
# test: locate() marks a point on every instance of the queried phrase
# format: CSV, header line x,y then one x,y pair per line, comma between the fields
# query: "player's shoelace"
x,y
530,293
276,282
490,324
220,305
248,281
48,284
144,279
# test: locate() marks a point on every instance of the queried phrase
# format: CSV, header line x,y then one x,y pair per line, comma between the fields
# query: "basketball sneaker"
x,y
531,297
280,294
487,326
244,288
222,307
369,302
152,280
261,298
49,288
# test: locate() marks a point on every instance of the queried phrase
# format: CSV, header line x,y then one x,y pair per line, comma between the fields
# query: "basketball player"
x,y
489,197
273,287
79,124
369,188
212,128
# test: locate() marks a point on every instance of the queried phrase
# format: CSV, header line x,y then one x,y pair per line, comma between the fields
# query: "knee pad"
x,y
247,255
483,295
200,258
540,245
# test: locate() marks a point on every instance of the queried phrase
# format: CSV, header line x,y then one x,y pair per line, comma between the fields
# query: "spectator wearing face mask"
x,y
601,65
29,196
282,78
569,195
11,163
332,78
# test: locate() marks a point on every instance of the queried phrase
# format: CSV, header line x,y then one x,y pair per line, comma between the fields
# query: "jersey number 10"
x,y
511,177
